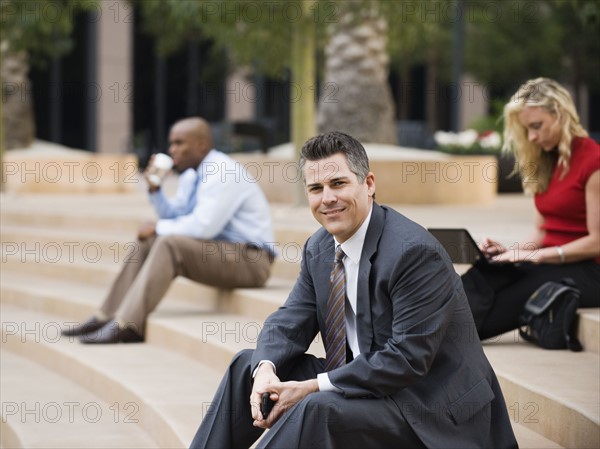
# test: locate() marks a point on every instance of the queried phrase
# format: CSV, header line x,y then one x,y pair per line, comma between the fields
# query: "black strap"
x,y
573,342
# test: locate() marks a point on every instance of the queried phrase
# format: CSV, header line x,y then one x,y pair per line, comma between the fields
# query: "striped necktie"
x,y
335,322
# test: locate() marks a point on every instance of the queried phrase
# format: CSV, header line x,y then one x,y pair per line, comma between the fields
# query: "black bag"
x,y
549,316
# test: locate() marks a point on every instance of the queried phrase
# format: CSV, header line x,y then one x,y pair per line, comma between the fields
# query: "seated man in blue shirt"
x,y
216,230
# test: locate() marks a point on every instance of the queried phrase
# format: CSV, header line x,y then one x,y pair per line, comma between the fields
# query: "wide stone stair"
x,y
61,252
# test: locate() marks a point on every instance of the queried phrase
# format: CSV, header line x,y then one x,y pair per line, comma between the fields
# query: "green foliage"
x,y
257,33
41,27
492,122
506,47
418,31
510,42
580,43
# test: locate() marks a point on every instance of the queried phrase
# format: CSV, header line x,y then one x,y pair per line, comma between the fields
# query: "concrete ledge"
x,y
169,399
553,393
52,291
212,338
460,180
50,168
589,329
8,436
403,176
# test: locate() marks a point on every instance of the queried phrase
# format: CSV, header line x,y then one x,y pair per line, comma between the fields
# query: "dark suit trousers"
x,y
321,420
497,294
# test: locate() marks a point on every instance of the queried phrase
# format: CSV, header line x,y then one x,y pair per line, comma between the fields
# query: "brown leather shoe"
x,y
90,325
111,333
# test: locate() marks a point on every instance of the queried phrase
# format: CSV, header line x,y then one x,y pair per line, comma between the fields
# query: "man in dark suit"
x,y
404,366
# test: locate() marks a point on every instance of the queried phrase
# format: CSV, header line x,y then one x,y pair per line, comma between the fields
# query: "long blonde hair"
x,y
534,164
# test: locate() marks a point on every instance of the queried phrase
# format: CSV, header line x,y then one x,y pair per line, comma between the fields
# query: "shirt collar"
x,y
210,157
353,246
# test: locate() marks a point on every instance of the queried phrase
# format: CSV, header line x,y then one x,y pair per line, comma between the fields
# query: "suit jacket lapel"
x,y
363,302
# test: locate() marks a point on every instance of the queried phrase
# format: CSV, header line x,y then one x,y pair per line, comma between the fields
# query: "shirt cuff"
x,y
260,363
325,384
161,226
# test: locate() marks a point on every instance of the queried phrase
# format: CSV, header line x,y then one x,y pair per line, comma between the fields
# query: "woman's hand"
x,y
519,255
530,255
491,248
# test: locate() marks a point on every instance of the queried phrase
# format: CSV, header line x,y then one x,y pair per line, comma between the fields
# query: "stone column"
x,y
240,97
473,101
114,77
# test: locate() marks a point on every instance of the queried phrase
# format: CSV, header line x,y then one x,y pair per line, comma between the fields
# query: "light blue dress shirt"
x,y
218,201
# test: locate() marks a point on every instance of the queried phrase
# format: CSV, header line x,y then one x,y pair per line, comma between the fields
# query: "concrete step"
x,y
69,359
42,409
167,392
213,338
125,214
554,393
102,275
126,220
213,330
78,300
21,327
289,239
253,303
93,281
52,245
588,329
528,439
512,214
68,246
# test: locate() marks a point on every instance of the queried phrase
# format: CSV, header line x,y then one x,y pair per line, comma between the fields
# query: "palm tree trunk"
x,y
356,97
17,129
17,112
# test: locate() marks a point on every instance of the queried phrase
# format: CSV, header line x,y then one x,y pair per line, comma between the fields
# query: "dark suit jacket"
x,y
416,335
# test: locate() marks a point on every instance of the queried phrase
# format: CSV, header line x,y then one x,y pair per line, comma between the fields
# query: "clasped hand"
x,y
284,394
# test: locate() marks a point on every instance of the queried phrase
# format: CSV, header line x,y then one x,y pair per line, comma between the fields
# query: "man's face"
x,y
542,128
336,198
186,147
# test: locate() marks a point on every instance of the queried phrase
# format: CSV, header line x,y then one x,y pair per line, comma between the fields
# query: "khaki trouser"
x,y
147,273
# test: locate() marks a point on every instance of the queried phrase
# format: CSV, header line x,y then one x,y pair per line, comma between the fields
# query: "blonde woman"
x,y
560,165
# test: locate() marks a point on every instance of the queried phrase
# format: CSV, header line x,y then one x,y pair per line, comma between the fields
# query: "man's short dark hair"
x,y
333,142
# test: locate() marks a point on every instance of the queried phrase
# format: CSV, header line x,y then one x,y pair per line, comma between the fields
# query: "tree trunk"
x,y
356,97
302,87
17,111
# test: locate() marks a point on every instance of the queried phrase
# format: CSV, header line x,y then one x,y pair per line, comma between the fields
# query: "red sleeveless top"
x,y
563,204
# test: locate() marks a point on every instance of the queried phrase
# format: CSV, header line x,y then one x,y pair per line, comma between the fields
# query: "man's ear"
x,y
370,181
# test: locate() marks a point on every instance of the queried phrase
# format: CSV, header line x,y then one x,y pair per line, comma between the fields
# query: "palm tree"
x,y
18,126
355,96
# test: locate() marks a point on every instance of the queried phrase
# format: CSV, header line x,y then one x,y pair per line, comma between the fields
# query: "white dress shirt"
x,y
218,201
353,249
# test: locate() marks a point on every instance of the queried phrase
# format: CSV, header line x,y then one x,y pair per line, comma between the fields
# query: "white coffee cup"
x,y
161,165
